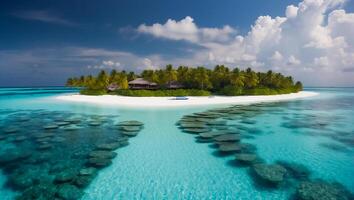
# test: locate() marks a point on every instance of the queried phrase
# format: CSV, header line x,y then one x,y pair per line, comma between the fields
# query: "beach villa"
x,y
141,83
174,85
113,87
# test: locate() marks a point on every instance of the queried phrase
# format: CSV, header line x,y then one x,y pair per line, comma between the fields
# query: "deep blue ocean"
x,y
45,143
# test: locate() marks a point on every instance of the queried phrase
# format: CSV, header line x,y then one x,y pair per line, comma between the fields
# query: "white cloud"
x,y
186,29
79,59
43,16
216,34
291,11
176,30
94,52
119,60
293,61
313,42
321,61
148,64
276,56
339,20
311,35
106,64
111,63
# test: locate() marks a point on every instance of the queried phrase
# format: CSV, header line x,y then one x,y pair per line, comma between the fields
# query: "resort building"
x,y
174,85
112,87
141,83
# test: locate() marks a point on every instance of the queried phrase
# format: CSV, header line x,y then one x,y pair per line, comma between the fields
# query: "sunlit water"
x,y
163,162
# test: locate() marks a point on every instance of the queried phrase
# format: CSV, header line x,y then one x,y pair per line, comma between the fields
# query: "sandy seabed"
x,y
126,101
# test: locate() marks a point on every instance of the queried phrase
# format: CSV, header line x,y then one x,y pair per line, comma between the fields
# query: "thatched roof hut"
x,y
141,83
112,87
174,85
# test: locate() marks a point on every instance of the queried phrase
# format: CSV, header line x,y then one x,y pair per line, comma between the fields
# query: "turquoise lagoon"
x,y
163,162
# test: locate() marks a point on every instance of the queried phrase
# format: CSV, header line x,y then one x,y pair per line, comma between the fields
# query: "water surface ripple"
x,y
163,162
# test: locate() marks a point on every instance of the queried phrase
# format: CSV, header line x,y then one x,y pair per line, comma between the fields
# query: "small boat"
x,y
181,98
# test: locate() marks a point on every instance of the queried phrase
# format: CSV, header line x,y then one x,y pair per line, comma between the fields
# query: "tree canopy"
x,y
220,80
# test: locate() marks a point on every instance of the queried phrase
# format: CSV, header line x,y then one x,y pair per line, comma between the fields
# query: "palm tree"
x,y
276,82
268,79
102,79
184,76
237,78
220,77
124,83
298,86
69,82
251,79
161,78
112,75
171,74
146,74
88,80
81,81
131,76
202,78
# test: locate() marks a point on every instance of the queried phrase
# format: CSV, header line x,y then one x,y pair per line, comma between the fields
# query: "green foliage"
x,y
231,91
162,93
237,78
202,78
93,92
262,91
220,80
235,91
131,76
298,86
150,75
124,83
102,80
220,77
119,78
171,74
161,78
251,79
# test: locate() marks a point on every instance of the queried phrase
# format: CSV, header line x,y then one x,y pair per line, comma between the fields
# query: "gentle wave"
x,y
36,88
36,93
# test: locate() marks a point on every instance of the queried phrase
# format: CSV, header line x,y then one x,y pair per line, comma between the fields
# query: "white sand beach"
x,y
125,101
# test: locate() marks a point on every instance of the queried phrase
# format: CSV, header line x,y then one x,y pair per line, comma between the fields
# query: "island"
x,y
186,81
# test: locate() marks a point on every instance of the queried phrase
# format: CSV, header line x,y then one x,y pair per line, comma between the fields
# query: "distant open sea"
x,y
162,161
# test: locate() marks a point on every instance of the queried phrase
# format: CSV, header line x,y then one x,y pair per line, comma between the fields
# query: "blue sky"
x,y
44,42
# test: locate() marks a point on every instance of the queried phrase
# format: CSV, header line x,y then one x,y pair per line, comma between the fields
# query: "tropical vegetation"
x,y
162,93
198,81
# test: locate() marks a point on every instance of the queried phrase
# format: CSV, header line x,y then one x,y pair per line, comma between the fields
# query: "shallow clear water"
x,y
164,162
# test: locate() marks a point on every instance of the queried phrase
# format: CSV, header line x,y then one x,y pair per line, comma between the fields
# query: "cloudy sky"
x,y
44,42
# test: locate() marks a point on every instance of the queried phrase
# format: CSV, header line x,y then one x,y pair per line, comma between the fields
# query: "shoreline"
x,y
143,102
